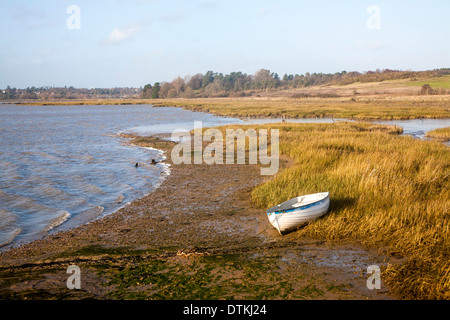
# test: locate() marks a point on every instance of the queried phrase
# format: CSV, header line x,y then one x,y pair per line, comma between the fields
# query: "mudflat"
x,y
198,236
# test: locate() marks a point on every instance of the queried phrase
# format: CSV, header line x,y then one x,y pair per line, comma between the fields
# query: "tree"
x,y
196,81
275,83
207,79
263,78
188,93
178,85
155,91
214,89
147,92
426,89
172,93
164,90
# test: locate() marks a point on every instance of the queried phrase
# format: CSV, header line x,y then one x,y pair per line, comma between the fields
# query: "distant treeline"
x,y
238,84
67,93
214,84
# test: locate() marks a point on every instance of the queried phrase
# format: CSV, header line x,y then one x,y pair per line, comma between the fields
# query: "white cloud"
x,y
119,35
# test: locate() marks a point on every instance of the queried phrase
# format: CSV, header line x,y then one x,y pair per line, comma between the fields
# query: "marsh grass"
x,y
360,108
387,191
441,134
364,108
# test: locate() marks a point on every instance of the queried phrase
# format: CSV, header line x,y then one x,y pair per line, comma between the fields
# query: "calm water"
x,y
418,127
62,166
414,127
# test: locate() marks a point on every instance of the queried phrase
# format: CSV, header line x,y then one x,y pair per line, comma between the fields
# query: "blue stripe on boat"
x,y
300,208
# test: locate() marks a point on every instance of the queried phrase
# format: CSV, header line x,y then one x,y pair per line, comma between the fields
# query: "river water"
x,y
62,166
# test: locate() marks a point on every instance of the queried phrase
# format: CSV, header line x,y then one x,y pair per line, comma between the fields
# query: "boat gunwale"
x,y
299,208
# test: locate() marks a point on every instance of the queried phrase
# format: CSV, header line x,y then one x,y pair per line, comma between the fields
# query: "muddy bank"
x,y
195,237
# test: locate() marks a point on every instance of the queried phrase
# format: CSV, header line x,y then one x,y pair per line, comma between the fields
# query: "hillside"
x,y
263,83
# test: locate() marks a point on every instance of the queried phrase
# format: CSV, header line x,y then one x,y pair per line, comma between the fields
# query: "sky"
x,y
129,43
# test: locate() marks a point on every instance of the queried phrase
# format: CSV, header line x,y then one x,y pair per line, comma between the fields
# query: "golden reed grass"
x,y
441,134
387,191
361,107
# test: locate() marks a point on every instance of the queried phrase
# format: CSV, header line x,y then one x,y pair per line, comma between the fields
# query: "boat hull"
x,y
295,217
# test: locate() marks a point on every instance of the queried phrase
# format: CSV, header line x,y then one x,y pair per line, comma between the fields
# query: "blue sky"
x,y
130,43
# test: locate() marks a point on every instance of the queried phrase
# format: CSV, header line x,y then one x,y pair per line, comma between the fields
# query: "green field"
x,y
439,82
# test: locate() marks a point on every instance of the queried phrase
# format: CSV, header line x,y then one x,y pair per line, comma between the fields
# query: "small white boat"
x,y
297,212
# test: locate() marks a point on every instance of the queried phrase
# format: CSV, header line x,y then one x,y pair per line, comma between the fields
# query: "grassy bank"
x,y
441,134
362,108
365,108
387,191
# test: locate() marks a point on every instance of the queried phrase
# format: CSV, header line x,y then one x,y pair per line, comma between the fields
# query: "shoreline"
x,y
56,233
57,224
216,220
197,105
